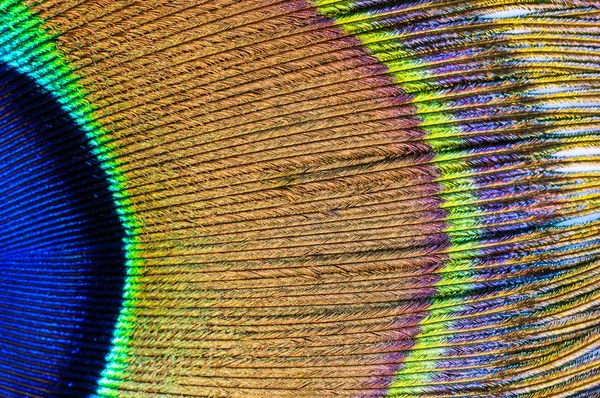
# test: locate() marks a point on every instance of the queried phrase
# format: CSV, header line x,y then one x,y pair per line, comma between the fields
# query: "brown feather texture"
x,y
299,199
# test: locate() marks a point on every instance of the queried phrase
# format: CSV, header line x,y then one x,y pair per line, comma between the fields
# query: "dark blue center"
x,y
61,253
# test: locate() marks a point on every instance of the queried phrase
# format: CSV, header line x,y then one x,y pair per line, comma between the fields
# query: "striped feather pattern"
x,y
290,198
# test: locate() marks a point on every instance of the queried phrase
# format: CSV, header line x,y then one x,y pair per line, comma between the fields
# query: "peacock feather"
x,y
300,199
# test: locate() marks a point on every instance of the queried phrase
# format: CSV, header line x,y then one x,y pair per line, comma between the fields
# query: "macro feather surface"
x,y
330,198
